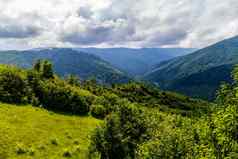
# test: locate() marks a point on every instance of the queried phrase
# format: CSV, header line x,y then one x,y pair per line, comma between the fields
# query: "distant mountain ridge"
x,y
67,61
136,62
175,74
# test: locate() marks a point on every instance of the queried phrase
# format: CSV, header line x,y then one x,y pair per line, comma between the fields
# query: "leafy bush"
x,y
58,95
215,135
98,111
120,135
13,85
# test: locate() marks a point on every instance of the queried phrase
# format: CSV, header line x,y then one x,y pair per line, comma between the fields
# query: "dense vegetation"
x,y
137,120
139,132
198,74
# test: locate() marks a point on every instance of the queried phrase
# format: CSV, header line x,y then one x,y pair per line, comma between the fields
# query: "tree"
x,y
235,74
73,80
47,71
37,66
45,68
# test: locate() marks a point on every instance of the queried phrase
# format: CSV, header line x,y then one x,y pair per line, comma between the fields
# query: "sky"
x,y
116,23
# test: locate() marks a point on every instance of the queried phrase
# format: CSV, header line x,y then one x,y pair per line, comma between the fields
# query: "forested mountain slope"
x,y
136,62
67,61
187,74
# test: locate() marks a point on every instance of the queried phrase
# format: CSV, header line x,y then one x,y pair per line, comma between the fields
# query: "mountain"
x,y
67,61
198,74
136,61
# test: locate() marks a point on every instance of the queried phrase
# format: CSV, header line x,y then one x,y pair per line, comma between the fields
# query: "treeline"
x,y
40,87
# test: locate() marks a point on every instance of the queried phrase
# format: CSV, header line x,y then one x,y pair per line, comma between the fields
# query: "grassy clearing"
x,y
27,132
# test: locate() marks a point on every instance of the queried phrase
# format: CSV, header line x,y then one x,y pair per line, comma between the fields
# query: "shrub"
x,y
98,111
119,136
58,95
13,85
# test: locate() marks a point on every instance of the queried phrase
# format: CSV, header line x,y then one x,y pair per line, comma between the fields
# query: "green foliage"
x,y
73,80
225,94
141,121
235,73
175,136
13,85
120,135
224,132
98,111
44,68
212,136
58,95
41,87
150,96
67,61
198,74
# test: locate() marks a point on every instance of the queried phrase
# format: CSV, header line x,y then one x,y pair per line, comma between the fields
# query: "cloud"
x,y
88,32
111,23
10,30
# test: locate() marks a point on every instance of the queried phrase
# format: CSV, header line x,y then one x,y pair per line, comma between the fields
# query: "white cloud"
x,y
133,23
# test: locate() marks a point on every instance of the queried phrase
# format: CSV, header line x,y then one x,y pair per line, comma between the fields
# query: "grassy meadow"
x,y
28,132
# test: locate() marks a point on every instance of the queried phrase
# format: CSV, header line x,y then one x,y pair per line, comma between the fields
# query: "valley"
x,y
118,79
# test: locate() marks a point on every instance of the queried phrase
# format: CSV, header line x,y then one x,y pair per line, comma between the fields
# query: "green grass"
x,y
28,132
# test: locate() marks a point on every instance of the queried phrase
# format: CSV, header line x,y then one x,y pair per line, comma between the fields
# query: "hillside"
x,y
67,61
65,118
28,132
192,73
136,61
54,117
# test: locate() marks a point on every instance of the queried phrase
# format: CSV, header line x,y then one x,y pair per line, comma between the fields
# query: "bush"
x,y
119,136
13,85
110,101
98,111
58,95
